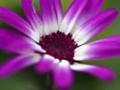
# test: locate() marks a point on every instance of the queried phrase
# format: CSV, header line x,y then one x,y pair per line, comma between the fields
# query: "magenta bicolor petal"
x,y
18,63
51,14
30,12
97,71
95,26
72,15
46,64
62,75
15,20
15,42
59,10
112,38
105,48
51,9
34,19
92,8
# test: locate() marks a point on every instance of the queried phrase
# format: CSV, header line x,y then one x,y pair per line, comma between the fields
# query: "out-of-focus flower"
x,y
56,42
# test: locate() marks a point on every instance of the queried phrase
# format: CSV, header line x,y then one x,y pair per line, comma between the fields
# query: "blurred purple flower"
x,y
55,41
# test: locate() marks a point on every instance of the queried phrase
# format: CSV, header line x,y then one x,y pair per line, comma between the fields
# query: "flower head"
x,y
57,42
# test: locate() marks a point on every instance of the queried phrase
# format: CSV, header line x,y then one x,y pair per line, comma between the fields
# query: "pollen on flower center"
x,y
59,45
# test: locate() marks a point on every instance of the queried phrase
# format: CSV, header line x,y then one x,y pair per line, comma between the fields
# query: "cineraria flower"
x,y
56,42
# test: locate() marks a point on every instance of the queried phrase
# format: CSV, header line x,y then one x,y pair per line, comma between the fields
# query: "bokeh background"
x,y
29,80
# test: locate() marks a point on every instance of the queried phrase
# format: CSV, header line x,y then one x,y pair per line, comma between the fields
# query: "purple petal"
x,y
18,63
51,9
15,21
31,13
51,14
113,38
108,47
46,64
97,71
72,15
15,42
63,75
95,26
59,10
34,19
92,8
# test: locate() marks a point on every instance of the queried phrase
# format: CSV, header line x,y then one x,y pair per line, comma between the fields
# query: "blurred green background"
x,y
29,80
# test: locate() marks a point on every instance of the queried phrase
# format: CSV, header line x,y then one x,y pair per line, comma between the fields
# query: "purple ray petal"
x,y
62,75
51,14
31,13
15,21
108,47
51,9
92,8
72,15
112,38
95,26
46,64
97,71
15,42
34,19
18,63
58,9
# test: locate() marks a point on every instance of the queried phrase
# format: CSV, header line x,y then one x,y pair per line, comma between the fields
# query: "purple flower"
x,y
57,42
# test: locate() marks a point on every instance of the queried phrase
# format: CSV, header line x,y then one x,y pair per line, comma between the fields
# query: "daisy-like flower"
x,y
57,42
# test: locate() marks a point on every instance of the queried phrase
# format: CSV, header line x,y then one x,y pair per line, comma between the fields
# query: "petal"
x,y
95,26
30,11
52,13
46,64
112,38
92,8
15,42
18,63
58,10
62,75
72,15
15,21
34,19
97,71
108,47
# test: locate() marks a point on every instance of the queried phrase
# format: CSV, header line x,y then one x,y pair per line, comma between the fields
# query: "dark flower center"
x,y
59,45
